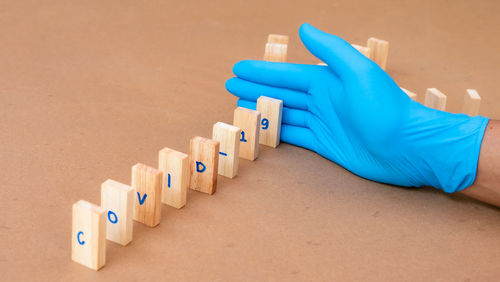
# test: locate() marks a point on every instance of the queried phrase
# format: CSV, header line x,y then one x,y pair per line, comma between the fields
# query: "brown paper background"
x,y
89,88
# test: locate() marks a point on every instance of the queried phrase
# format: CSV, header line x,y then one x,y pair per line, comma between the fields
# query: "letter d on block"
x,y
204,161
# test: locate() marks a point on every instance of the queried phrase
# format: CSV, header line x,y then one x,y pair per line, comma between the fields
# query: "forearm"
x,y
486,187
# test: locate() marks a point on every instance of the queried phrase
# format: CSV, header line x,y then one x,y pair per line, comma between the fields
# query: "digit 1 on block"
x,y
204,162
118,200
229,149
175,168
249,122
147,182
88,241
270,125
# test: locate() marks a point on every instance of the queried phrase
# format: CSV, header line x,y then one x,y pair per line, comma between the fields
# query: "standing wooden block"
x,y
147,182
275,52
175,168
472,101
277,38
379,51
410,94
229,149
435,99
363,50
118,200
270,124
204,159
249,121
88,239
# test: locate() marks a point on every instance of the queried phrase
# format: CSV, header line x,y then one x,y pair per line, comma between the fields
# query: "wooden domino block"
x,y
204,162
410,94
379,51
277,38
88,236
229,148
147,182
435,99
472,101
275,52
270,124
249,121
363,50
321,64
118,200
175,168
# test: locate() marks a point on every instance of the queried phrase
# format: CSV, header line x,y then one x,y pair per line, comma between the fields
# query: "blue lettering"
x,y
221,153
78,238
168,181
243,136
200,167
265,123
112,214
141,201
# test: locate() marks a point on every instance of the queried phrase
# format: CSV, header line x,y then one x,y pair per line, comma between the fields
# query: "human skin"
x,y
486,187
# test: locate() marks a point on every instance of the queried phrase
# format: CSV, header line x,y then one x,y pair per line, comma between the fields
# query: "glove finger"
x,y
298,136
283,75
252,91
339,55
289,116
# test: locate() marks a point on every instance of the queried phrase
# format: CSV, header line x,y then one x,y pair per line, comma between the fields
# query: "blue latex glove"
x,y
353,113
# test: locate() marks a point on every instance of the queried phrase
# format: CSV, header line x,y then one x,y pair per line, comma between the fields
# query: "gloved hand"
x,y
353,113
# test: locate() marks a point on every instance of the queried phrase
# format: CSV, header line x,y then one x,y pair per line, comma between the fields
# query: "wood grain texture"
x,y
147,182
410,94
118,200
277,38
229,148
270,126
379,51
435,99
88,236
175,168
204,162
363,50
275,52
472,102
248,121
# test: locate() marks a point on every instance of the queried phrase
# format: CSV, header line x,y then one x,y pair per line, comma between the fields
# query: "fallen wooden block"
x,y
118,200
363,50
275,52
277,38
88,239
229,148
204,162
379,51
435,99
410,94
321,64
270,124
147,182
248,120
175,168
472,102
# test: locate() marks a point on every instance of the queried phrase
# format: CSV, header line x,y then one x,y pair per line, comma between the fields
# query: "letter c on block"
x,y
78,238
200,167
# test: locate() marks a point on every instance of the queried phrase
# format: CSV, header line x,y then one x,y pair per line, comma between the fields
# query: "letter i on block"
x,y
175,168
147,182
435,99
118,200
204,159
229,149
249,121
88,241
379,51
270,120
